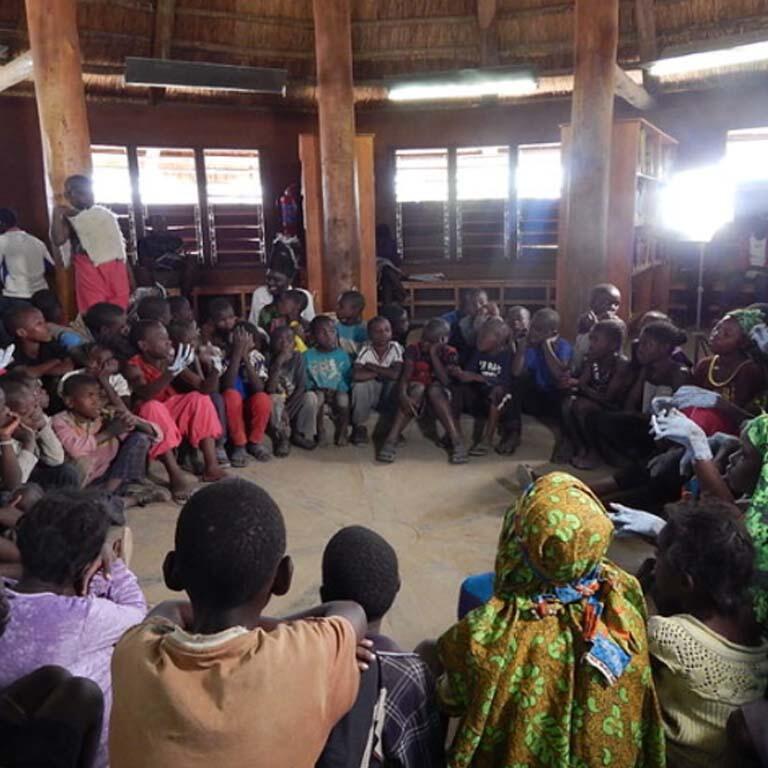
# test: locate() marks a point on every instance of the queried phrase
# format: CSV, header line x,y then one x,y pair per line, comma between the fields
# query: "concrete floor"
x,y
442,520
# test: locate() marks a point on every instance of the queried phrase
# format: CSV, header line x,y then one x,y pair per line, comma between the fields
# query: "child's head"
x,y
8,220
545,324
745,464
20,397
96,359
704,560
493,335
323,330
519,321
27,323
657,342
26,496
379,331
253,332
151,338
638,322
48,303
436,331
181,309
229,549
184,332
398,319
605,300
222,315
82,395
349,308
605,339
292,303
282,340
106,322
42,398
154,308
361,566
79,192
472,300
728,337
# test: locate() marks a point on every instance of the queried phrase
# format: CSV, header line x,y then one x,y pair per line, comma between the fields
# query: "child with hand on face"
x,y
377,369
329,375
604,303
429,368
351,329
484,383
287,310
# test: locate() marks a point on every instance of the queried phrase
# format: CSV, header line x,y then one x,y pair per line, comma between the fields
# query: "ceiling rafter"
x,y
489,32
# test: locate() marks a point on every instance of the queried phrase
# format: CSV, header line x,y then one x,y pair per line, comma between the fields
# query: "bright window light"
x,y
421,175
698,202
482,173
746,155
167,176
233,176
539,172
515,86
111,177
725,57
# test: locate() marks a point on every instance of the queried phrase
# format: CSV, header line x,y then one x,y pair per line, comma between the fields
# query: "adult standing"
x,y
24,259
96,246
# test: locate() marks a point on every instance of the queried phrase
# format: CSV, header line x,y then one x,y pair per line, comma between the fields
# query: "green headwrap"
x,y
747,318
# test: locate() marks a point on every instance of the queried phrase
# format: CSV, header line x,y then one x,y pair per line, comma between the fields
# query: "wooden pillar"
x,y
583,257
336,118
60,95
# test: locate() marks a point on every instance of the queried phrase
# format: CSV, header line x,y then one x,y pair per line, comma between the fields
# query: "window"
x,y
421,175
112,188
482,173
235,206
539,182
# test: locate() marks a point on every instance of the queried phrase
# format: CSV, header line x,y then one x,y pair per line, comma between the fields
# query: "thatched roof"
x,y
390,37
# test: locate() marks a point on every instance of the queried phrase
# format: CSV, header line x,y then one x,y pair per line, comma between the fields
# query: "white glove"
x,y
185,356
680,429
6,356
629,521
686,397
759,335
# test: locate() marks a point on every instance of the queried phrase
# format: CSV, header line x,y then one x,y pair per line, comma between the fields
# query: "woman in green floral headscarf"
x,y
553,671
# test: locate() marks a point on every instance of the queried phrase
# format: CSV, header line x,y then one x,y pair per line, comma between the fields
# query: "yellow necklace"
x,y
720,384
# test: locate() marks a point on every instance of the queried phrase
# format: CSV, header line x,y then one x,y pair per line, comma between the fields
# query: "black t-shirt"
x,y
163,249
49,350
494,367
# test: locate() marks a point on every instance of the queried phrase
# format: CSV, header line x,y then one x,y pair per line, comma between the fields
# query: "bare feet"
x,y
181,488
211,476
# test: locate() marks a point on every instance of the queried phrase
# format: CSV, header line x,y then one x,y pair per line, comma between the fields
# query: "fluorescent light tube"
x,y
438,91
725,57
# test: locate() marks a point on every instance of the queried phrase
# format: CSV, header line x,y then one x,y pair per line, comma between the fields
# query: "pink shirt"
x,y
78,437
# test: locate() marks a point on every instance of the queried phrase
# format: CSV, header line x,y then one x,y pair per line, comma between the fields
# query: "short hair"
x,y
177,303
355,298
301,298
152,308
178,328
219,305
16,317
435,328
497,326
360,565
393,312
708,540
546,315
141,328
101,314
8,218
521,309
666,333
15,388
62,535
614,330
375,321
319,320
71,385
77,178
48,303
603,288
247,326
230,537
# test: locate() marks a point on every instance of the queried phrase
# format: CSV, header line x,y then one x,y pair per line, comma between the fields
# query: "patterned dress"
x,y
757,519
553,672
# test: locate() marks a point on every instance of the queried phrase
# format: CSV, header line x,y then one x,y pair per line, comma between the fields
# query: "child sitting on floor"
x,y
483,384
72,603
154,308
377,368
399,320
181,309
604,303
428,370
287,310
100,362
518,320
361,566
294,410
111,453
708,655
221,323
329,375
248,405
48,303
107,324
351,329
218,659
151,374
603,384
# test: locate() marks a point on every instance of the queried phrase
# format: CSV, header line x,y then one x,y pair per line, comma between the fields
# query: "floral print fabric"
x,y
757,519
517,676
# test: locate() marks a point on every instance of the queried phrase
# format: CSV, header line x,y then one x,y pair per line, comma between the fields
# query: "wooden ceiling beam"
x,y
247,18
632,92
16,71
489,32
413,21
131,5
165,14
253,52
645,21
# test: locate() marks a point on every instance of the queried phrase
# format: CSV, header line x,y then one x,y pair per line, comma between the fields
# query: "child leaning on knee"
x,y
429,368
218,658
329,375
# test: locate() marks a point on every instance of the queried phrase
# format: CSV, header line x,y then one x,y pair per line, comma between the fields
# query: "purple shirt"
x,y
77,633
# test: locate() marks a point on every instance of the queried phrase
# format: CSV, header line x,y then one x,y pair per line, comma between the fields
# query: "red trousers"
x,y
256,410
107,282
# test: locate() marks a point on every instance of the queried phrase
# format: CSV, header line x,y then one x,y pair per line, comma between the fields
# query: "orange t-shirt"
x,y
237,699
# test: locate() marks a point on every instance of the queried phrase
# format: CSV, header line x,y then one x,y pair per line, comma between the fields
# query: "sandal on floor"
x,y
480,449
387,453
238,457
459,454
